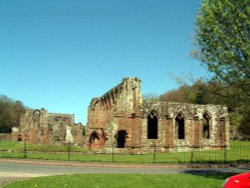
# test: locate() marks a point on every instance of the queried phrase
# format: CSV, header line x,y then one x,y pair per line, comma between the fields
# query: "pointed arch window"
x,y
206,126
180,125
152,125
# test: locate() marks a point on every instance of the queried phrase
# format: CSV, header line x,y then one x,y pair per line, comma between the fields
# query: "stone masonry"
x,y
121,118
39,126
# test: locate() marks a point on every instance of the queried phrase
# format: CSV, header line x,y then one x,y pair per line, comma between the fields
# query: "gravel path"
x,y
9,177
6,180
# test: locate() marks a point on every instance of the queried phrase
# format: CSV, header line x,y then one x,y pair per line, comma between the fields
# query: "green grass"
x,y
8,145
19,146
240,143
124,180
239,152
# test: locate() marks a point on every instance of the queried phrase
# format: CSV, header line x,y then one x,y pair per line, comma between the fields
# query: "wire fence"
x,y
237,153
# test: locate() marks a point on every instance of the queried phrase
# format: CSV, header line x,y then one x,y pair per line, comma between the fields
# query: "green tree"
x,y
223,44
10,112
244,128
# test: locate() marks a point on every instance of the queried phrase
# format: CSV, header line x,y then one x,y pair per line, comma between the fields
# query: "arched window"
x,y
152,125
180,124
36,115
206,127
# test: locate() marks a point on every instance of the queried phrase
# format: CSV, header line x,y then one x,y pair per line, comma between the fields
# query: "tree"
x,y
244,128
10,112
151,97
223,44
180,95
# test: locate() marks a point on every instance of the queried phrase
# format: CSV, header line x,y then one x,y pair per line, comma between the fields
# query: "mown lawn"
x,y
238,152
19,146
124,181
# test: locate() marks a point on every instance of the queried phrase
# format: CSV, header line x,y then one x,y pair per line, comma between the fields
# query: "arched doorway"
x,y
121,138
94,141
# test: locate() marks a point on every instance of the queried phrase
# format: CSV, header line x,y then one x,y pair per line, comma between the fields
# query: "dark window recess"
x,y
19,138
121,138
180,126
206,132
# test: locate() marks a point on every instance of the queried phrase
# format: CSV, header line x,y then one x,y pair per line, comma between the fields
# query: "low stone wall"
x,y
148,150
5,137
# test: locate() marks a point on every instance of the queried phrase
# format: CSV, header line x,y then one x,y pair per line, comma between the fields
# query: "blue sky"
x,y
59,54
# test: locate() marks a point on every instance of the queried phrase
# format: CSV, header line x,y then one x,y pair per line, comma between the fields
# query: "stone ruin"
x,y
41,127
121,118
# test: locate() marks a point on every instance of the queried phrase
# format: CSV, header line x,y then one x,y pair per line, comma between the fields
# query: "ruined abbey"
x,y
121,118
40,127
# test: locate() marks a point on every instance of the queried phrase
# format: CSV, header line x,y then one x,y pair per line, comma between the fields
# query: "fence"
x,y
238,153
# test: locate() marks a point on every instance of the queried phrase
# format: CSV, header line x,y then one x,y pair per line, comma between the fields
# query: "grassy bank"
x,y
124,180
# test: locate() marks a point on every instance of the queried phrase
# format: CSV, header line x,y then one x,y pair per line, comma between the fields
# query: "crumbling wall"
x,y
117,110
39,126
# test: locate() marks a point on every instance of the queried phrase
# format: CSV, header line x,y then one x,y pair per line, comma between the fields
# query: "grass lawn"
x,y
124,180
238,152
19,146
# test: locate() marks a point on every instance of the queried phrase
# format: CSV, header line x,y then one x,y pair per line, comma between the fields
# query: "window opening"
x,y
180,126
206,132
152,125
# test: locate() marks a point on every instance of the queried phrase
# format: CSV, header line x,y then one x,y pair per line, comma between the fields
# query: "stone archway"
x,y
95,141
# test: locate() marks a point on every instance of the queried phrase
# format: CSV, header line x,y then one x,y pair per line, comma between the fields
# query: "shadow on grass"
x,y
215,174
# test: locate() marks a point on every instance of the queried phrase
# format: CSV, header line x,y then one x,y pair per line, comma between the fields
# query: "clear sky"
x,y
59,54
